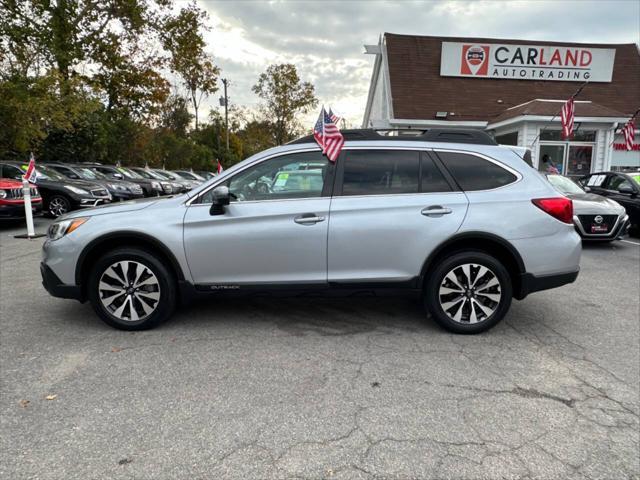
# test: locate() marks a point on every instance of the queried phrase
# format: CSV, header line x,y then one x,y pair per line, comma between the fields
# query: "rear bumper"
x,y
530,283
56,288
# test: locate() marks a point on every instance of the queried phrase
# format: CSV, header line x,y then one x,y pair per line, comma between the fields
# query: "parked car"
x,y
60,195
465,226
12,199
183,185
150,188
120,190
193,177
169,187
594,216
620,187
205,174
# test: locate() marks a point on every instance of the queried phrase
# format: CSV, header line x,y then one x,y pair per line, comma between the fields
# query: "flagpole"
x,y
631,119
558,113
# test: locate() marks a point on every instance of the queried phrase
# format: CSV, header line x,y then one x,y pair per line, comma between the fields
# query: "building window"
x,y
578,136
508,139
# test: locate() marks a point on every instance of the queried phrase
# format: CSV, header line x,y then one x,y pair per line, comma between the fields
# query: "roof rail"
x,y
449,135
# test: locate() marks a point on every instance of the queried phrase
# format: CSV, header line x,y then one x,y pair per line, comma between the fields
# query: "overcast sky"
x,y
325,39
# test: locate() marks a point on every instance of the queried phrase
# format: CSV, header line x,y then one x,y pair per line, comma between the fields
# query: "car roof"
x,y
441,135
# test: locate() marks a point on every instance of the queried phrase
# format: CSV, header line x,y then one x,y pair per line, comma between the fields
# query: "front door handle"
x,y
308,219
435,211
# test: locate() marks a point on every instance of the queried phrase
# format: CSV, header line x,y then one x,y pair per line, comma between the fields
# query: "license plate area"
x,y
602,228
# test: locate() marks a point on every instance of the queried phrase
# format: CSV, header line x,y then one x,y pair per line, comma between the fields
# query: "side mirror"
x,y
586,189
221,197
118,176
626,189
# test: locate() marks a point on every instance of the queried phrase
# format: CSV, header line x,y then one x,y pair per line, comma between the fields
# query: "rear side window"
x,y
475,173
381,172
431,177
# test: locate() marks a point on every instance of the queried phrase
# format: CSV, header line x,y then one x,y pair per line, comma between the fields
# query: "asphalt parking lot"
x,y
317,388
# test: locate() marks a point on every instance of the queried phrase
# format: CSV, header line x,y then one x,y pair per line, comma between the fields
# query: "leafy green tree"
x,y
182,38
284,97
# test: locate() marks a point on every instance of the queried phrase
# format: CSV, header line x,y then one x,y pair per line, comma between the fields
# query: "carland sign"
x,y
526,62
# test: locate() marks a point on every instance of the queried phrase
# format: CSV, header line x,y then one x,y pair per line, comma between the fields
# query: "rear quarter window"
x,y
475,173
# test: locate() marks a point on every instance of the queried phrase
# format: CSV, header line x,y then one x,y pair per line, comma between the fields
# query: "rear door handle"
x,y
435,211
308,219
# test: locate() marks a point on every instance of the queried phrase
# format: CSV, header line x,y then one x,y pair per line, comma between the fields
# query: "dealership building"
x,y
514,89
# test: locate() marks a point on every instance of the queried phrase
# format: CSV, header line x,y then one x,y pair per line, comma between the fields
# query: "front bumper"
x,y
530,283
11,211
56,288
619,230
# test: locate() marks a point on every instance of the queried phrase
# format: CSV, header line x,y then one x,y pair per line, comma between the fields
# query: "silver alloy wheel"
x,y
58,206
470,293
129,290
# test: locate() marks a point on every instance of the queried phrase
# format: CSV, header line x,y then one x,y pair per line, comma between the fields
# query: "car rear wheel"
x,y
468,292
130,289
58,205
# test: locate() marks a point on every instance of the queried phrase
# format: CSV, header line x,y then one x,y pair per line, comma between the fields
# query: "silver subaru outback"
x,y
448,216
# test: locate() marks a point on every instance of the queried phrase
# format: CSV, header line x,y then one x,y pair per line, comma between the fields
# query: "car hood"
x,y
590,203
120,207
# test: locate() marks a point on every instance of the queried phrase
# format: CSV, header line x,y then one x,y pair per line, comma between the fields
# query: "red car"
x,y
12,199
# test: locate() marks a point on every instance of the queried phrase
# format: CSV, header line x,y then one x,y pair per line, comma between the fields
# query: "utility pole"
x,y
225,101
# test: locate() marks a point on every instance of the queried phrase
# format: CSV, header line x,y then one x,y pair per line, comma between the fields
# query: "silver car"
x,y
594,216
450,217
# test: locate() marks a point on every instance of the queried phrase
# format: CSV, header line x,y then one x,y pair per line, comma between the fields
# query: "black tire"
x,y
58,205
162,310
454,264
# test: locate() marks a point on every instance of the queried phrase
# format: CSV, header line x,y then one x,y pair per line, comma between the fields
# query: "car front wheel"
x,y
58,205
130,289
469,292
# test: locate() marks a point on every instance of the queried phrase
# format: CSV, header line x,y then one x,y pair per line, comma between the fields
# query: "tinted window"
x,y
617,181
432,178
380,172
9,171
279,178
475,173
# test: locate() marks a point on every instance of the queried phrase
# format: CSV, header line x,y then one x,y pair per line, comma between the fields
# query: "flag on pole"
x,y
219,168
31,174
629,132
566,118
334,118
328,136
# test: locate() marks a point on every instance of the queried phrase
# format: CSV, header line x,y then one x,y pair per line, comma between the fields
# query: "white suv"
x,y
446,215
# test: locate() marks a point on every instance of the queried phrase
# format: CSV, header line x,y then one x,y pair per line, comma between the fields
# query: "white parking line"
x,y
629,241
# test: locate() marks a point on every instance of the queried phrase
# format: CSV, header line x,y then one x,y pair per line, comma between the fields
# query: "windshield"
x,y
149,174
128,173
89,174
45,173
564,185
188,175
166,175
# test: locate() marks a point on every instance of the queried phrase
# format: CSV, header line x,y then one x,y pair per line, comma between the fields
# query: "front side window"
x,y
381,172
475,173
617,181
279,178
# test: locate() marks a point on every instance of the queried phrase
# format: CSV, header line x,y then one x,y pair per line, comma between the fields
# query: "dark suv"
x,y
120,190
60,195
150,188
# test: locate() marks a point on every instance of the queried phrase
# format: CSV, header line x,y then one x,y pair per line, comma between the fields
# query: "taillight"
x,y
558,207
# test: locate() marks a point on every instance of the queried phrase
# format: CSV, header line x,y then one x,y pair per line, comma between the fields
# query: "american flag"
x,y
566,118
629,131
328,136
31,174
219,168
334,118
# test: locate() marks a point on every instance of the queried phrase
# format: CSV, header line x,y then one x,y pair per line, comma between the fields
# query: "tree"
x,y
285,96
182,38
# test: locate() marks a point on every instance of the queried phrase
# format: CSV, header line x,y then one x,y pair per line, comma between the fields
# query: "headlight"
x,y
60,229
156,186
77,190
3,194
